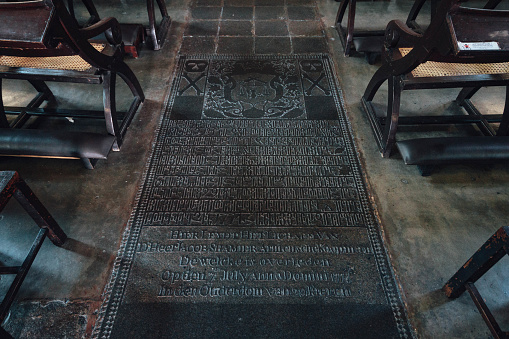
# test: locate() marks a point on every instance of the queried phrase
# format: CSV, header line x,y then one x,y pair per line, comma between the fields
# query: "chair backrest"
x,y
418,4
467,35
46,28
25,25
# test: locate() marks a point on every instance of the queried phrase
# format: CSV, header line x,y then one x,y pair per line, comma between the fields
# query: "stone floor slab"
x,y
253,217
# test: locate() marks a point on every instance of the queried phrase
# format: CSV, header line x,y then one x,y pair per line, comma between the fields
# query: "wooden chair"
x,y
485,258
12,185
133,35
417,7
368,42
156,32
40,41
445,56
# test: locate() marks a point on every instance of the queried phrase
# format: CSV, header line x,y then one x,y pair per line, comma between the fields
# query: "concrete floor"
x,y
432,225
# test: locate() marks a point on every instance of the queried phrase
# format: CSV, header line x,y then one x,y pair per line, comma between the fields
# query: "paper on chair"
x,y
478,46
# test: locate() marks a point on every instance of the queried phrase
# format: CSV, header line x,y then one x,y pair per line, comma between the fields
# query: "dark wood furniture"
x,y
40,41
368,42
133,35
417,7
485,258
156,32
443,57
92,11
12,185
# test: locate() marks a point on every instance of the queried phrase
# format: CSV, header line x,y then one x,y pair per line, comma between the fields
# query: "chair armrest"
x,y
109,26
399,34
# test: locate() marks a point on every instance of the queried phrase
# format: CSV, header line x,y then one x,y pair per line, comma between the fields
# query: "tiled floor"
x,y
254,27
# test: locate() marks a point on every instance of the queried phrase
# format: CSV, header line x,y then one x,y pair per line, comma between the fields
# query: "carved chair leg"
x,y
3,118
42,88
485,312
130,79
466,94
20,275
157,34
44,94
503,128
12,185
110,109
341,12
350,28
152,24
138,99
488,255
464,99
39,213
89,163
110,113
491,4
339,19
162,8
380,76
391,122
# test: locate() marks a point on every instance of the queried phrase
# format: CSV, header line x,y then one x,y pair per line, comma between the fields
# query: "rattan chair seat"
x,y
444,69
71,63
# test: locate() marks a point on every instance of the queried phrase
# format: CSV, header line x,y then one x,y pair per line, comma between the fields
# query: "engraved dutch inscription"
x,y
289,264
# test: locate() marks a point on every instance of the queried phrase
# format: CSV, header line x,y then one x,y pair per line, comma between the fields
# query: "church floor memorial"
x,y
253,220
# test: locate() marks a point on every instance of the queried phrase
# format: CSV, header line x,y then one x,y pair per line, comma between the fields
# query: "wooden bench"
x,y
442,57
89,147
40,41
427,153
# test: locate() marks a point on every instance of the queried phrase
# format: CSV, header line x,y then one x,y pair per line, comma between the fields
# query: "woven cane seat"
x,y
71,62
443,69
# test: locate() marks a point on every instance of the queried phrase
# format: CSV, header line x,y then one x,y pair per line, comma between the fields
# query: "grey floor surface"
x,y
431,224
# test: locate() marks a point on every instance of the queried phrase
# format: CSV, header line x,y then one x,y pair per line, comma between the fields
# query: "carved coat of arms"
x,y
253,90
